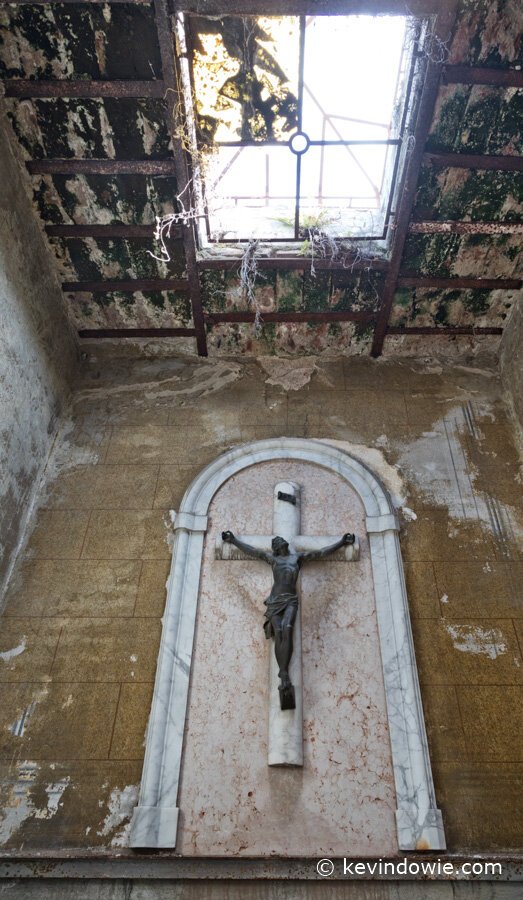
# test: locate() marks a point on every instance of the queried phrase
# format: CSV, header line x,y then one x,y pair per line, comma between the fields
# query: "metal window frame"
x,y
398,143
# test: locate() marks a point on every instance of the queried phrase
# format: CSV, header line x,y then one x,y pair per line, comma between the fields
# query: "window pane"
x,y
252,193
246,77
351,72
341,187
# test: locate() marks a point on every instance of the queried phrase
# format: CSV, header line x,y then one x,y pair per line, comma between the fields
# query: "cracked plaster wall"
x,y
37,352
80,632
511,362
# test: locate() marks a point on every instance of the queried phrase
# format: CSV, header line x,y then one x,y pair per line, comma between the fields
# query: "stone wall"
x,y
511,362
82,624
131,889
37,351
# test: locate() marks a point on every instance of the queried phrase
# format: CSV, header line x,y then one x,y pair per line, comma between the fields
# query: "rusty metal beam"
x,y
482,75
475,161
135,332
173,118
349,265
443,330
101,167
128,286
442,30
77,2
129,232
466,228
485,284
309,7
322,318
32,89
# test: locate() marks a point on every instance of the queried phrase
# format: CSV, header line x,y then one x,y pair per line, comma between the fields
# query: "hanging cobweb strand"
x,y
162,231
248,275
164,224
321,245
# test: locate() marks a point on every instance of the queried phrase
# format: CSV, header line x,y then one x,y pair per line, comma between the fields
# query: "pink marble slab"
x,y
342,801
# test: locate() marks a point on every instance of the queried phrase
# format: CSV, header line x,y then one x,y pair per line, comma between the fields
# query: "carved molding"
x,y
419,822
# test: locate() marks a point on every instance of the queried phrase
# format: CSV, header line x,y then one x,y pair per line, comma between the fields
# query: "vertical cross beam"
x,y
286,725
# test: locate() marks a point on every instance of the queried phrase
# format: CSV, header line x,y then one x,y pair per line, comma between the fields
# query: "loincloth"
x,y
276,606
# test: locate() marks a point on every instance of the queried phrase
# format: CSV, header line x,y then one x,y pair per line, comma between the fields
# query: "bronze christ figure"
x,y
282,602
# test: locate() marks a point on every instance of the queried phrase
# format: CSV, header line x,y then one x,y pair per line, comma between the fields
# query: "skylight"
x,y
303,118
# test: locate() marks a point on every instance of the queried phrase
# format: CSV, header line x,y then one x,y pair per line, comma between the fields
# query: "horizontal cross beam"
x,y
301,544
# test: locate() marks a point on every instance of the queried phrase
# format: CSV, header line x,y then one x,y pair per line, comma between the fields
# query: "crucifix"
x,y
285,552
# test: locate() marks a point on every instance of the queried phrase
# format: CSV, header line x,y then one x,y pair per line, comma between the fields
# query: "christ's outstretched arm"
x,y
230,538
309,555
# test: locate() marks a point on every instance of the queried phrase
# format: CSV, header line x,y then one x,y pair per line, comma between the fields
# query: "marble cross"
x,y
285,745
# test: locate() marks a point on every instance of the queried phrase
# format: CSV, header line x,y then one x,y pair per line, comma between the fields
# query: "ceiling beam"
x,y
78,2
443,330
482,75
475,161
466,228
135,332
128,286
340,315
32,89
482,284
101,167
309,7
282,263
174,121
129,232
442,31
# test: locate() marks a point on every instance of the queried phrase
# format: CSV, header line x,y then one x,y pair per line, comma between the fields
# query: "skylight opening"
x,y
303,119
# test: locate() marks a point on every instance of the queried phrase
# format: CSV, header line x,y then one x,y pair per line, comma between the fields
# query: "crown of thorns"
x,y
279,541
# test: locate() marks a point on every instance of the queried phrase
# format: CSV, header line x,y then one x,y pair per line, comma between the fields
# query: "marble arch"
x,y
418,821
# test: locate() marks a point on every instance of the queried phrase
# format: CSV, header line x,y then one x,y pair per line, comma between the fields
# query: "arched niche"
x,y
155,819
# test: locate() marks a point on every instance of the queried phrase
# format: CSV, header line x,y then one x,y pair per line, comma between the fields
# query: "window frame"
x,y
379,245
